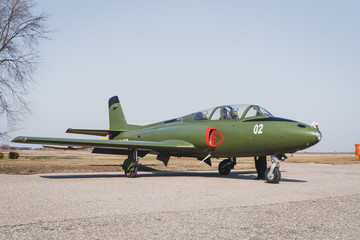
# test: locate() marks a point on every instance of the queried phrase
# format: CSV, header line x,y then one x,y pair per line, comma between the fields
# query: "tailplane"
x,y
117,120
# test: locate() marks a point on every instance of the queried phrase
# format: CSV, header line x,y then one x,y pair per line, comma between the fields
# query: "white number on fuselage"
x,y
258,128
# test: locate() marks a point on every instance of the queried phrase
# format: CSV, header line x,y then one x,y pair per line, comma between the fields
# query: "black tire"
x,y
279,176
225,167
275,178
131,174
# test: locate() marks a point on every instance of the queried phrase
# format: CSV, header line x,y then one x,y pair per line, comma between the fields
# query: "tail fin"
x,y
116,115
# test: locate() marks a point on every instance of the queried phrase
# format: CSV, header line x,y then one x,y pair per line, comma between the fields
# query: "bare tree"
x,y
20,32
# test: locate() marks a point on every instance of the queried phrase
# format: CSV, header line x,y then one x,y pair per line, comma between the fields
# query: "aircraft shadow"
x,y
141,168
90,175
214,174
238,174
292,180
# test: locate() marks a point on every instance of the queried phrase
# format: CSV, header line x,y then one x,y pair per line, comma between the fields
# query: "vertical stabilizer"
x,y
116,115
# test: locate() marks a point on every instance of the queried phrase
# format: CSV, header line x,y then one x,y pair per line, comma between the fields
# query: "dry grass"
x,y
323,158
51,161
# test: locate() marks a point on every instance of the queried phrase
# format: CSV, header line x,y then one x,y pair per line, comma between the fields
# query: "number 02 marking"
x,y
258,128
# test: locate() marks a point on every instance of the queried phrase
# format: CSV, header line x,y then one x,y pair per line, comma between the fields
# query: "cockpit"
x,y
225,112
228,112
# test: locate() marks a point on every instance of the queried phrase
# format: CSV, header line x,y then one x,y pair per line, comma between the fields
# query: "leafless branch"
x,y
20,32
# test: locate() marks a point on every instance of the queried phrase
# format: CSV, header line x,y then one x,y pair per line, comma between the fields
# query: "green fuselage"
x,y
234,138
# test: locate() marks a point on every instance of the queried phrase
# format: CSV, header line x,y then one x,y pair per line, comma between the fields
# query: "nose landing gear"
x,y
273,174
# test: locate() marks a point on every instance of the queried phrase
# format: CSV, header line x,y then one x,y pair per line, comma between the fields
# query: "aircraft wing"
x,y
109,144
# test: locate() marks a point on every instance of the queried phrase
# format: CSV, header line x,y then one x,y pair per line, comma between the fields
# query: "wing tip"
x,y
19,139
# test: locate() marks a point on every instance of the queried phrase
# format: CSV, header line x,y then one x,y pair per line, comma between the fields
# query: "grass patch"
x,y
323,158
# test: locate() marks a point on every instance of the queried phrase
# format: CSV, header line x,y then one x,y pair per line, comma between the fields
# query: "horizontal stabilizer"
x,y
94,132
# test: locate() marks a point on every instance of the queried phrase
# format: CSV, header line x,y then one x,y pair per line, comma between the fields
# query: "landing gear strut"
x,y
226,165
130,164
273,174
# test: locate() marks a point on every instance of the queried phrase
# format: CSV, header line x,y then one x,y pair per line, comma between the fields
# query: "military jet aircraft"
x,y
228,131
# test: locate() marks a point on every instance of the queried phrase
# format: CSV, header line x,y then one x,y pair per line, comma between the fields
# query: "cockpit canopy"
x,y
226,112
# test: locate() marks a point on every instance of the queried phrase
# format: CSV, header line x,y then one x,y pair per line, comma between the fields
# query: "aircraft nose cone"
x,y
314,136
306,136
319,135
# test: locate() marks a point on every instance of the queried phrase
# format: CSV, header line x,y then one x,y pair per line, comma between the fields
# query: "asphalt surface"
x,y
312,201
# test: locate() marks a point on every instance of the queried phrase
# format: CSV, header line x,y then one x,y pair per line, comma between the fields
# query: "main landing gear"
x,y
226,165
273,174
130,164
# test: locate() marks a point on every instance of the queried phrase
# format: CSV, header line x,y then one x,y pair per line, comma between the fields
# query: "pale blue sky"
x,y
297,59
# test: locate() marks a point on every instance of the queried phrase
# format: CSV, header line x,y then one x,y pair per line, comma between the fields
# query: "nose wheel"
x,y
274,177
226,165
273,174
